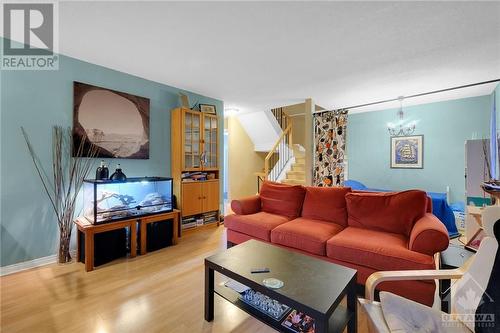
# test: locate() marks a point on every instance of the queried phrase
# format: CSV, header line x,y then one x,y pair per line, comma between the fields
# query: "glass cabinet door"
x,y
192,140
210,141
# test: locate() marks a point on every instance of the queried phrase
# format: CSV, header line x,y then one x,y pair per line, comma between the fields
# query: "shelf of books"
x,y
199,220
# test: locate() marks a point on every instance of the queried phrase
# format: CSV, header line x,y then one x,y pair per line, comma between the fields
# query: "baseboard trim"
x,y
25,265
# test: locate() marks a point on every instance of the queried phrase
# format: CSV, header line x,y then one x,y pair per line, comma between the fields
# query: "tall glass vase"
x,y
64,255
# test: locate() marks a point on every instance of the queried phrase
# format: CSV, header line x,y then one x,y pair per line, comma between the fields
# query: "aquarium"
x,y
108,200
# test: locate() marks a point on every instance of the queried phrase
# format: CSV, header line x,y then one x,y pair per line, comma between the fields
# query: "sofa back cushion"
x,y
282,199
326,204
428,205
394,212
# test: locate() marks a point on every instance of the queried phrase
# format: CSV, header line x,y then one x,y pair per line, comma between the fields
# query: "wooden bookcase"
x,y
195,148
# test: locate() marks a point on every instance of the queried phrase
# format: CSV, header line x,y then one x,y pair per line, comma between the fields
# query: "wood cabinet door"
x,y
192,195
210,142
210,196
191,140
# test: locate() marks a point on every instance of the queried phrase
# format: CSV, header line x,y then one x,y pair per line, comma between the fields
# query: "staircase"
x,y
285,162
297,175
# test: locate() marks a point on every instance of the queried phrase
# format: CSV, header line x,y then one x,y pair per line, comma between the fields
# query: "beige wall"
x,y
243,161
308,140
302,130
296,112
298,129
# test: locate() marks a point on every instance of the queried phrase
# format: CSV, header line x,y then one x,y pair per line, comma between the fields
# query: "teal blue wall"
x,y
445,126
38,100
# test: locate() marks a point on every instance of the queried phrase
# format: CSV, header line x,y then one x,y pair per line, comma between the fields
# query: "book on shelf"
x,y
187,220
299,322
188,225
210,217
193,176
214,213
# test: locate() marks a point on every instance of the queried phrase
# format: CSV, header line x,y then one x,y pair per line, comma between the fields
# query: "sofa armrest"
x,y
429,205
245,206
429,235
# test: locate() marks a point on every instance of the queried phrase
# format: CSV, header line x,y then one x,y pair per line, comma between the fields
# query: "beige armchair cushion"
x,y
403,315
376,321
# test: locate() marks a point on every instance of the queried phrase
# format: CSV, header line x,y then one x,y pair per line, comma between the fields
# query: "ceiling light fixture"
x,y
229,112
399,128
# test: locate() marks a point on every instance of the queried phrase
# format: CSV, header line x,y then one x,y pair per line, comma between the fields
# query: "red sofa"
x,y
366,231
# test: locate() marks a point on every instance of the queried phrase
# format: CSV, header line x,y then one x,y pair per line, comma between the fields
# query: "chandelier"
x,y
399,128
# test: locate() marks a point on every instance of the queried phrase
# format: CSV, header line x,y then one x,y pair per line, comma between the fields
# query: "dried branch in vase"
x,y
63,187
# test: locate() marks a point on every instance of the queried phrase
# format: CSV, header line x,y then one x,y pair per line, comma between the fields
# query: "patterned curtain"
x,y
330,144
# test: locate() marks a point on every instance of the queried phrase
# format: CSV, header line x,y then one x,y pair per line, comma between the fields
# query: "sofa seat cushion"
x,y
378,250
258,225
282,199
305,234
326,204
394,212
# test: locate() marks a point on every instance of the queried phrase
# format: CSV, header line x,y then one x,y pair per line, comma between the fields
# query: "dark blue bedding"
x,y
440,206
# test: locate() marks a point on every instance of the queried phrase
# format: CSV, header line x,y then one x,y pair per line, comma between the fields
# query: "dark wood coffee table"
x,y
313,286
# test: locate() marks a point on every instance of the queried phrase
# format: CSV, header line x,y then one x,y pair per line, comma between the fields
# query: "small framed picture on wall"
x,y
407,152
207,108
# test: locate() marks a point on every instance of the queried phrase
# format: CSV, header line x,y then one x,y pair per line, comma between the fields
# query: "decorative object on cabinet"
x,y
184,101
118,175
108,200
195,165
407,152
102,171
207,108
116,122
68,177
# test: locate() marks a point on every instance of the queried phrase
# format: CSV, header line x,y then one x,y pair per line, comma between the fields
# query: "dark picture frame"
x,y
407,152
102,117
208,108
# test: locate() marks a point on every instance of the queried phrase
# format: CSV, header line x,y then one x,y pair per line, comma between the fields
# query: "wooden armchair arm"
x,y
379,277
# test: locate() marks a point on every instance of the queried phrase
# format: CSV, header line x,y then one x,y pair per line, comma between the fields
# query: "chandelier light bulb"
x,y
401,129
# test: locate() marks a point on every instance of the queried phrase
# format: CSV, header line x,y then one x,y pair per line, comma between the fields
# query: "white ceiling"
x,y
256,55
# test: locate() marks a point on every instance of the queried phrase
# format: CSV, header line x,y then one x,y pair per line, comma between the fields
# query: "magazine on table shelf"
x,y
299,322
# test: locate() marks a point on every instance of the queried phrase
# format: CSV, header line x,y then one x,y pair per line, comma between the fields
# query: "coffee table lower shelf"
x,y
337,323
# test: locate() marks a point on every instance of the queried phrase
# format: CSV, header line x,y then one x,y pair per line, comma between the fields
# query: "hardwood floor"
x,y
159,292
